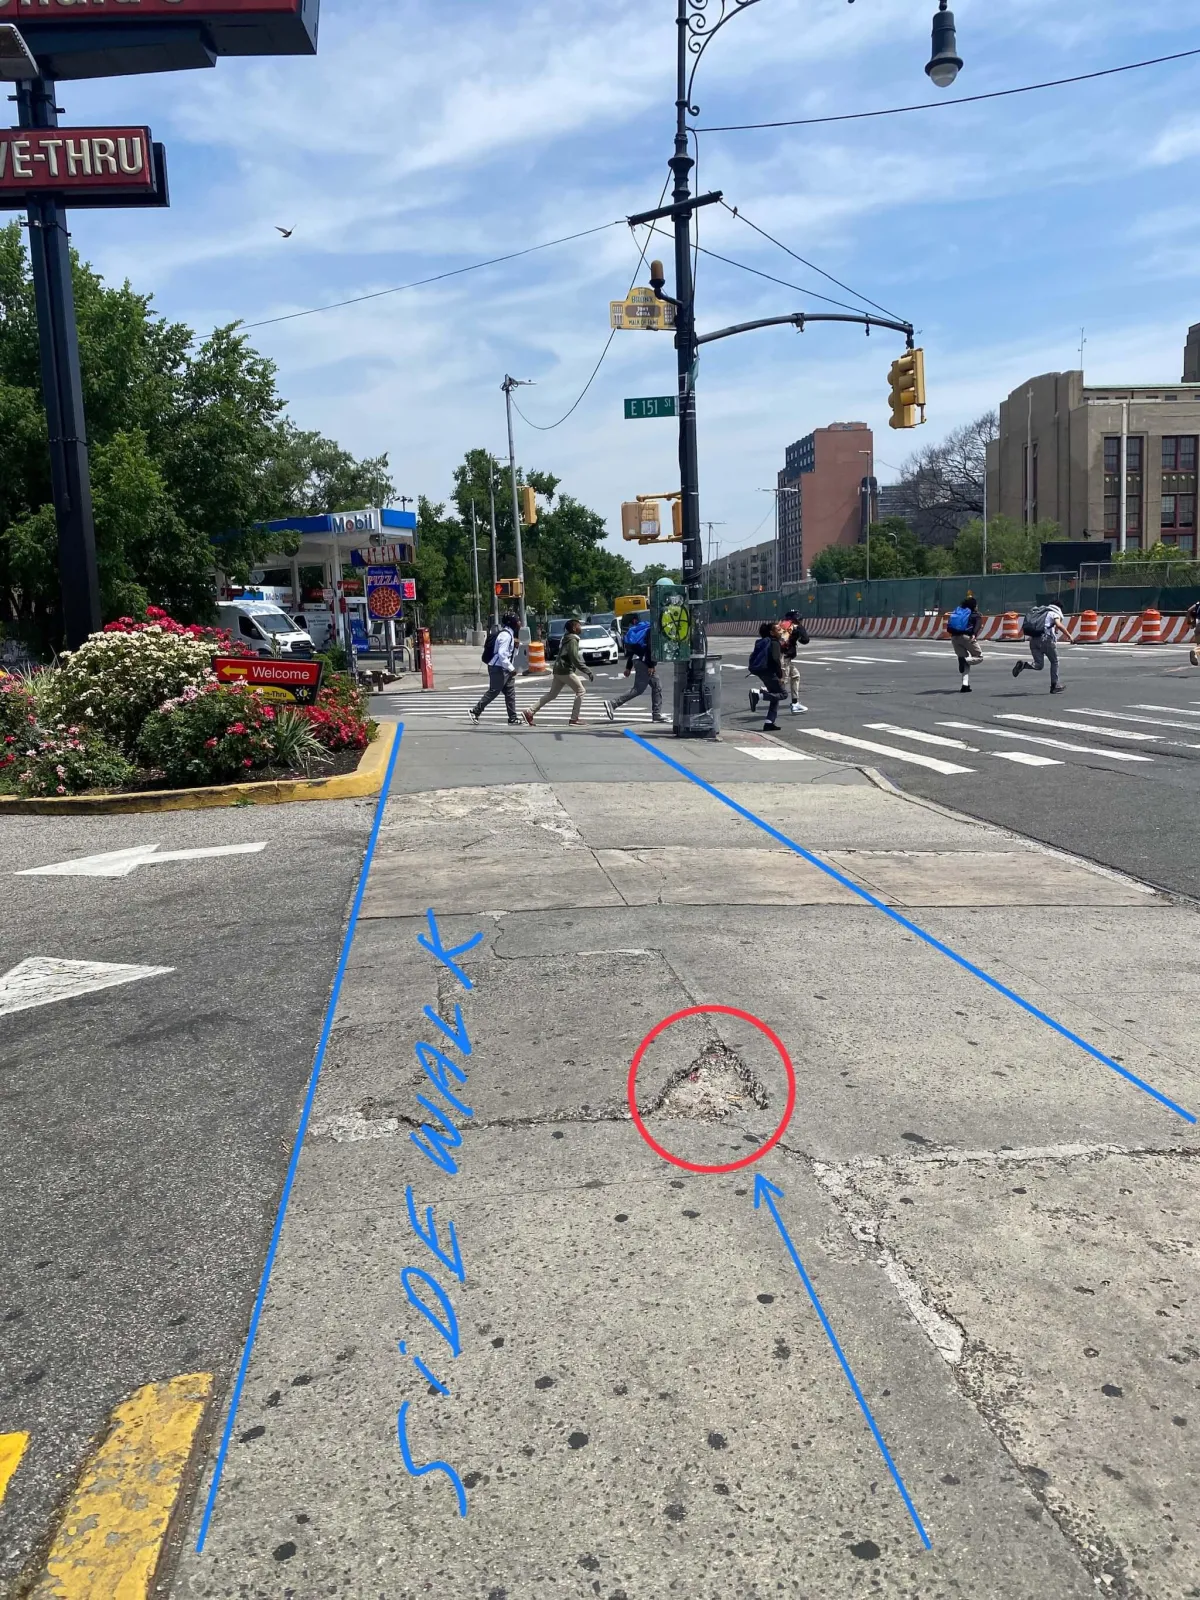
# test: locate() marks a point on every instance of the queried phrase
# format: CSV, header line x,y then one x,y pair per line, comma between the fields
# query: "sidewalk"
x,y
642,1402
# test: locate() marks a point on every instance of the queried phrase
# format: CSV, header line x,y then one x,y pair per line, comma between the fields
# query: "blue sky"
x,y
430,133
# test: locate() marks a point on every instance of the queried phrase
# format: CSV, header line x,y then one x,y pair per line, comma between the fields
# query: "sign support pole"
x,y
50,262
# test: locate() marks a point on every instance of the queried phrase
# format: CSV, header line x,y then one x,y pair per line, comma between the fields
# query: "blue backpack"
x,y
638,633
758,656
959,620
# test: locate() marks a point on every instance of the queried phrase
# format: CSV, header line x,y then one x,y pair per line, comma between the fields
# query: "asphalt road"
x,y
1126,795
146,1127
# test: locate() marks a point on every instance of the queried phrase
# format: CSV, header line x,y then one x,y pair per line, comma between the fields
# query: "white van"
x,y
260,626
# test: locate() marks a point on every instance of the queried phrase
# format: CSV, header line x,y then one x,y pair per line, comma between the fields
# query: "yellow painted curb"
x,y
366,779
12,1448
111,1537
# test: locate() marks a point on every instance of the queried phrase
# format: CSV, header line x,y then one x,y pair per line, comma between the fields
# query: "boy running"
x,y
639,658
963,625
1193,616
502,673
797,634
1042,627
770,672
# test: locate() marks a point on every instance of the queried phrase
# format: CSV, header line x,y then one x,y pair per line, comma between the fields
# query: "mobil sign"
x,y
364,522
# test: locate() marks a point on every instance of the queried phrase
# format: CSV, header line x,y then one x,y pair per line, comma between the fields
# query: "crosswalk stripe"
x,y
1055,744
12,1448
772,752
1149,722
921,738
946,768
1077,727
1180,711
1026,758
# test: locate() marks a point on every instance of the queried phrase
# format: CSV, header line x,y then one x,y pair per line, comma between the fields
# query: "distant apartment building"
x,y
821,495
1111,461
742,571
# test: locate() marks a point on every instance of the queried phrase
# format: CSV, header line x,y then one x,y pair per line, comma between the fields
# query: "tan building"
x,y
742,571
1063,445
821,497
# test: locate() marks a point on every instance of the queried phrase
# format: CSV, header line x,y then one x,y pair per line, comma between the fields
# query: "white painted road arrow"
x,y
42,980
120,863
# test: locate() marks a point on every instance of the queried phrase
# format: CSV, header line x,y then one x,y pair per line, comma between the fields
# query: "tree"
x,y
941,486
896,552
188,443
1010,545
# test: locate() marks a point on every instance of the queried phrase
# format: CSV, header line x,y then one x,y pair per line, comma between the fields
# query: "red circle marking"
x,y
697,1011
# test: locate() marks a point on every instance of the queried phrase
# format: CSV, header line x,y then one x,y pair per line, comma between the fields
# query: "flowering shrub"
x,y
156,617
210,734
117,678
18,720
339,719
66,760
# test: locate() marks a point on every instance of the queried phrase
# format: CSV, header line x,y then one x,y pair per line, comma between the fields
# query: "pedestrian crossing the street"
x,y
452,707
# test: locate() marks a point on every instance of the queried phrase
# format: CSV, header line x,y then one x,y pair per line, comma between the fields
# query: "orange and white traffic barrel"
x,y
1012,626
1089,628
1151,627
537,656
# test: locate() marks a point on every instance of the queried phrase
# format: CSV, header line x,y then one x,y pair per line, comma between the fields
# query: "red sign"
x,y
294,681
69,161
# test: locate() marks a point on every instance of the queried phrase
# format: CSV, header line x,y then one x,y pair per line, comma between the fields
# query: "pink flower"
x,y
237,727
210,744
247,762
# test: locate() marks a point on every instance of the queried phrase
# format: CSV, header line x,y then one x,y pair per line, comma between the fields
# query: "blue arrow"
x,y
766,1191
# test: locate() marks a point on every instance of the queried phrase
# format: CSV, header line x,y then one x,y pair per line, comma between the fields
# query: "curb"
x,y
366,779
111,1537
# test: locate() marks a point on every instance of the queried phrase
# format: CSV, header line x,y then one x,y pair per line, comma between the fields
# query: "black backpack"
x,y
1034,625
489,645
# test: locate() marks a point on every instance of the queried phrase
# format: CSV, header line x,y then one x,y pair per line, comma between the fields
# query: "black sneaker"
x,y
966,689
755,697
1019,669
1057,688
770,727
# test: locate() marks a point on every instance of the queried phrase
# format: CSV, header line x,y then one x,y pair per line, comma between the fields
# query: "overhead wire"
x,y
783,282
956,100
866,299
548,427
439,277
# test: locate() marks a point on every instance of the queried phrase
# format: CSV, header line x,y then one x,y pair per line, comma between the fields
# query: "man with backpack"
x,y
766,663
963,625
797,634
570,669
1042,627
639,659
498,651
1193,616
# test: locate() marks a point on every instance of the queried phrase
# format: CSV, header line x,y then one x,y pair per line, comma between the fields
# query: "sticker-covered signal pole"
x,y
50,263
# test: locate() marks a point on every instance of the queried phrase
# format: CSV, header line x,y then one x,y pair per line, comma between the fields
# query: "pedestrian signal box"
x,y
510,589
673,622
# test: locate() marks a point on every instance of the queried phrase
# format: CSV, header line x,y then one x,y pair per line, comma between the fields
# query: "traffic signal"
x,y
907,380
528,504
509,589
677,518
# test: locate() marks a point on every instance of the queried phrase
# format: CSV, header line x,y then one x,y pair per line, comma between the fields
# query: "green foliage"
x,y
294,745
65,759
1012,545
188,441
896,552
18,719
210,735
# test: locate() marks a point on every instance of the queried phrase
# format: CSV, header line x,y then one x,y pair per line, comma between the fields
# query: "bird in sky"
x,y
286,232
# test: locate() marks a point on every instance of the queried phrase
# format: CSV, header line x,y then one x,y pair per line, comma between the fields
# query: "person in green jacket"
x,y
569,669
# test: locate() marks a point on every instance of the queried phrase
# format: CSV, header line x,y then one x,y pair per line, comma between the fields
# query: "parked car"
x,y
596,643
264,628
555,629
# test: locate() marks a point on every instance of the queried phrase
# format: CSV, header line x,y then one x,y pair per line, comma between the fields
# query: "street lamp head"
x,y
657,276
945,63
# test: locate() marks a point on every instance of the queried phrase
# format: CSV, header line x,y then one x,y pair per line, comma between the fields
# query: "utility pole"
x,y
508,386
492,512
475,572
50,263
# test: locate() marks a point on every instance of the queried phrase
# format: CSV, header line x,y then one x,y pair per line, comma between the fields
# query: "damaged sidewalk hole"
x,y
710,1088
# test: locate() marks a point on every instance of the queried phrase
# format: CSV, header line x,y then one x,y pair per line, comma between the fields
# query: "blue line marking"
x,y
927,938
318,1063
764,1190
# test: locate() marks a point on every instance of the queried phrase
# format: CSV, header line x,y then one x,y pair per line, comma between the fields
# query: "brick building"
x,y
821,500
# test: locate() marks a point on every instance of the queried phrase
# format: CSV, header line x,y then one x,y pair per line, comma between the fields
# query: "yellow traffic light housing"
x,y
528,504
907,397
509,589
677,518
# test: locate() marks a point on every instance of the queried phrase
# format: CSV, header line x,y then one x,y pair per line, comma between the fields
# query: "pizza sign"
x,y
387,591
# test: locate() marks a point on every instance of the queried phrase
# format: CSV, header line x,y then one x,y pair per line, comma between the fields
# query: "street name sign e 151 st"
x,y
662,405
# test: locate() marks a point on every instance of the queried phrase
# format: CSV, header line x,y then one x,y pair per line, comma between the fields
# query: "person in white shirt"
x,y
502,673
1042,627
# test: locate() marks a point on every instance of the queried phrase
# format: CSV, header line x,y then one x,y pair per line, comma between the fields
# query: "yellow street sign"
x,y
642,310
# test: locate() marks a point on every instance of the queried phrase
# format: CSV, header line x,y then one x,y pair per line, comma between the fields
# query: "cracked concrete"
x,y
643,1404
